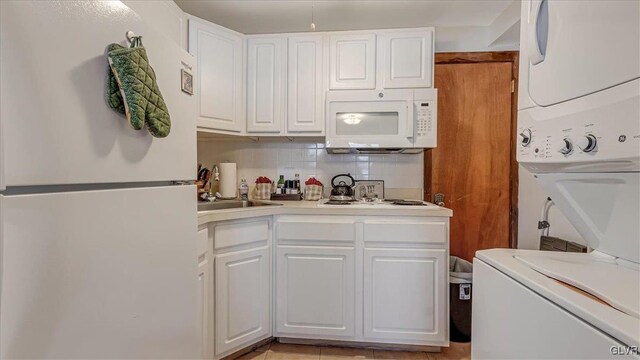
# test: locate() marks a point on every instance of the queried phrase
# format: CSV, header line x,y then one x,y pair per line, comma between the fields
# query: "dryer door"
x,y
577,48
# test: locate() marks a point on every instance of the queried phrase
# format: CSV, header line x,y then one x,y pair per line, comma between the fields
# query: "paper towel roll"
x,y
228,180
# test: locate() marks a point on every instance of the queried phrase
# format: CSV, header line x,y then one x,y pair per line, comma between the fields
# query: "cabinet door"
x,y
219,84
315,289
265,88
242,292
305,95
352,61
205,293
407,59
405,295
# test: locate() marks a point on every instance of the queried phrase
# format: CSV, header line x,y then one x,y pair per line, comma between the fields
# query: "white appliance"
x,y
579,125
386,121
98,244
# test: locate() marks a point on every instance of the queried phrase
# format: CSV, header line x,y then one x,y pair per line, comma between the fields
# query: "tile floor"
x,y
276,351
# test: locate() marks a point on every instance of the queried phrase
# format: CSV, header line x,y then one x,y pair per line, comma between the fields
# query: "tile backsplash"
x,y
310,158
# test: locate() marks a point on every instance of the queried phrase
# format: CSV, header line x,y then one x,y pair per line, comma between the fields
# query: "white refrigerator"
x,y
97,225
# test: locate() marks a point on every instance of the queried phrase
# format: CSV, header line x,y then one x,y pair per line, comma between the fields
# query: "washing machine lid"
x,y
616,284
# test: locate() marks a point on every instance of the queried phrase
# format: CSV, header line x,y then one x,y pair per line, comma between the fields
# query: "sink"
x,y
232,204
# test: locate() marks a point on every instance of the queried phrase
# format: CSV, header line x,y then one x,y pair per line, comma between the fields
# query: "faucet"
x,y
210,196
216,172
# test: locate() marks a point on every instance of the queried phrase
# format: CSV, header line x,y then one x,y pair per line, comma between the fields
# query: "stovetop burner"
x,y
339,202
408,202
397,202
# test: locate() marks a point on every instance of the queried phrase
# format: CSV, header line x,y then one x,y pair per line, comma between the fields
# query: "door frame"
x,y
488,57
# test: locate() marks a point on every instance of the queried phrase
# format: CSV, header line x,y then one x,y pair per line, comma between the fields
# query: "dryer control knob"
x,y
525,137
566,146
587,143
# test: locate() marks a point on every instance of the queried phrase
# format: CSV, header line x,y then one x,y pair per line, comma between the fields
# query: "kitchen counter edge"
x,y
311,208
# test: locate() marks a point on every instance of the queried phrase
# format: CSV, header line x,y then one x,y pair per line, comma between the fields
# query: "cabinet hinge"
x,y
513,85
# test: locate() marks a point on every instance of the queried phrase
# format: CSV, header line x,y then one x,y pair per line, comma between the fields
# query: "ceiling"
x,y
270,16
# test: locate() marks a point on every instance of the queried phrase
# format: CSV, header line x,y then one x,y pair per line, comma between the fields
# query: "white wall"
x,y
531,198
165,15
402,174
501,35
170,19
469,38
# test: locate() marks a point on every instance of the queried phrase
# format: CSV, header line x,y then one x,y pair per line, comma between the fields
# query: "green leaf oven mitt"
x,y
133,90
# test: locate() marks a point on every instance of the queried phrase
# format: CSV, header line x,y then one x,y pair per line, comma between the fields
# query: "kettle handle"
x,y
353,181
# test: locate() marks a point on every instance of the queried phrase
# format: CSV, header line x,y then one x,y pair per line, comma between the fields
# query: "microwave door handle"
x,y
409,132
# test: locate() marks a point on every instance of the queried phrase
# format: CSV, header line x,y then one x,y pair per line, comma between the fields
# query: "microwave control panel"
x,y
425,123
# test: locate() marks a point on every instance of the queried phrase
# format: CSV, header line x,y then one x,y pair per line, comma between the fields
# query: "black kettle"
x,y
342,190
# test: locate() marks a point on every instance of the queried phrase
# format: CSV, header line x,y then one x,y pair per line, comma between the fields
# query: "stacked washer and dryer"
x,y
579,126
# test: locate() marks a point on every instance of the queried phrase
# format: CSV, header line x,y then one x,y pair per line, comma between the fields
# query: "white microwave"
x,y
385,121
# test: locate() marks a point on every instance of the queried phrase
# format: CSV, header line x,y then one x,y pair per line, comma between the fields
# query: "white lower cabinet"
x,y
404,294
315,291
367,279
242,298
362,278
205,292
242,284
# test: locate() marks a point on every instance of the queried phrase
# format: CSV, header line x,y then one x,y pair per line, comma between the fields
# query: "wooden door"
x,y
472,164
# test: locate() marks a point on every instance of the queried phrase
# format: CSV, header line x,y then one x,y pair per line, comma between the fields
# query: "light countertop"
x,y
317,208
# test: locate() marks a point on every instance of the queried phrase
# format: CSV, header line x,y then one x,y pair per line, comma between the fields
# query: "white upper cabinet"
x,y
265,84
219,87
275,85
305,89
352,61
407,58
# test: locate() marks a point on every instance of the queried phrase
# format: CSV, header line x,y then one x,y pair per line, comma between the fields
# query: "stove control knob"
x,y
525,137
566,146
587,143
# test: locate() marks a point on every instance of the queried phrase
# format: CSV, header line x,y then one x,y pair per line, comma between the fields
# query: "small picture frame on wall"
x,y
186,80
